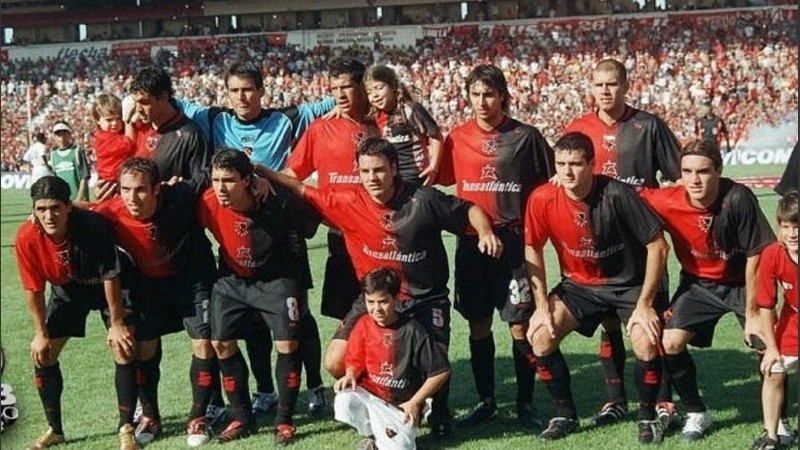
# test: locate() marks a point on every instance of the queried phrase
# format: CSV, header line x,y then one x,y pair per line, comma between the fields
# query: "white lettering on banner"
x,y
19,180
750,157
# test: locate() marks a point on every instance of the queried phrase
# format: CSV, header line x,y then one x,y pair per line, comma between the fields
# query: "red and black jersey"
x,y
713,243
111,150
600,240
181,150
87,257
496,170
168,243
404,234
393,362
633,149
266,244
710,129
408,128
776,268
329,148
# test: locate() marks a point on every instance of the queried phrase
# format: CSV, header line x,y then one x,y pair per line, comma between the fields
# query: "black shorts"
x,y
698,305
171,304
484,284
340,287
281,303
69,305
433,314
590,305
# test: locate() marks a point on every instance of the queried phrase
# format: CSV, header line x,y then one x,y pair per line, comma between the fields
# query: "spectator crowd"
x,y
746,72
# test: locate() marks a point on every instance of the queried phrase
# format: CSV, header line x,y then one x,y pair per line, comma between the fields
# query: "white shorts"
x,y
787,363
372,416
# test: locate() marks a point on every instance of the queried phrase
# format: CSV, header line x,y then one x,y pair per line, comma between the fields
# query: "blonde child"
x,y
111,146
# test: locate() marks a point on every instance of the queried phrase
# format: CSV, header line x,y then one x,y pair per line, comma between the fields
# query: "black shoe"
x,y
610,414
669,417
558,428
441,428
529,417
482,412
650,432
765,443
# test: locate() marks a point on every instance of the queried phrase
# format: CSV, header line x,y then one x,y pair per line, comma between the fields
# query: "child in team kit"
x,y
111,146
778,268
392,366
406,124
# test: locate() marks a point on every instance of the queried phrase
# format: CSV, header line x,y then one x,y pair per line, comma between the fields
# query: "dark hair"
x,y
51,187
387,75
348,66
383,279
246,70
374,146
232,160
141,165
153,81
40,137
492,77
612,65
575,141
787,207
709,149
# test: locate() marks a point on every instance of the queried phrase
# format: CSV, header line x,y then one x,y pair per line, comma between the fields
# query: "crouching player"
x,y
778,266
391,366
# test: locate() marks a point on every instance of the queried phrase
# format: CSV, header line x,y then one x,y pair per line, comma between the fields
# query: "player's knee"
x,y
203,349
286,347
334,358
147,349
225,349
518,330
480,329
774,381
543,344
642,347
673,343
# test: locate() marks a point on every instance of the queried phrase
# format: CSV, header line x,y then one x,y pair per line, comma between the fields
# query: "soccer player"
x,y
496,161
264,271
612,253
778,267
632,146
266,136
389,223
156,224
36,156
710,127
74,251
69,162
385,385
719,232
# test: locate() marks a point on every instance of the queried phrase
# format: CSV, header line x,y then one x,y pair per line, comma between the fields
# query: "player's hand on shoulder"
x,y
103,190
335,113
555,181
261,189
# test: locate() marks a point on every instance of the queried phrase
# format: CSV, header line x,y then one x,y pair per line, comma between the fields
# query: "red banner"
x,y
140,49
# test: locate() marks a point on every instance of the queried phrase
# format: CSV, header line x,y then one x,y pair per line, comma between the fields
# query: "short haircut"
x,y
575,142
50,187
106,105
612,65
347,66
705,148
383,279
246,70
377,147
232,160
153,81
141,165
787,208
492,77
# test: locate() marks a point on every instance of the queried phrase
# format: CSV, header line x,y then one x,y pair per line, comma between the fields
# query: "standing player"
x,y
69,162
632,146
710,127
74,251
263,270
384,386
36,156
719,232
389,223
789,180
156,223
602,232
497,162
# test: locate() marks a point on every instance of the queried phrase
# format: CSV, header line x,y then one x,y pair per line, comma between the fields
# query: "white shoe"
x,y
785,432
696,425
263,402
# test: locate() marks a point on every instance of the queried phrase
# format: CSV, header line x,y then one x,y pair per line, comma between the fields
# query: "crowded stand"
x,y
743,69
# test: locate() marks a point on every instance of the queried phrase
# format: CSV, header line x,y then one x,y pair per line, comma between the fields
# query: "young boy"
x,y
392,366
778,267
111,146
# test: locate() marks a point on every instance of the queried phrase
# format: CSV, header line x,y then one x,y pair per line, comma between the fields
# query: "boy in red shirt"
x,y
111,146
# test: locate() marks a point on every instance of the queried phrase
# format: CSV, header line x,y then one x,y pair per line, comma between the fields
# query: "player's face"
x,y
486,102
151,108
349,95
229,187
63,139
608,90
139,196
787,233
380,95
244,97
573,170
380,306
110,122
53,216
377,177
700,179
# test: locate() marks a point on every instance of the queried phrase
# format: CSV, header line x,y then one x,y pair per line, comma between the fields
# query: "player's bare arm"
x,y
751,309
644,314
488,242
543,314
40,345
413,406
772,355
120,336
434,159
347,381
293,184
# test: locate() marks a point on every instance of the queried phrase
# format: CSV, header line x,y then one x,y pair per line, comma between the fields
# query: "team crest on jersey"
x,y
243,253
489,173
62,256
580,219
152,232
358,137
609,142
242,227
489,147
388,340
390,242
637,125
387,220
610,169
587,242
387,369
704,222
390,432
